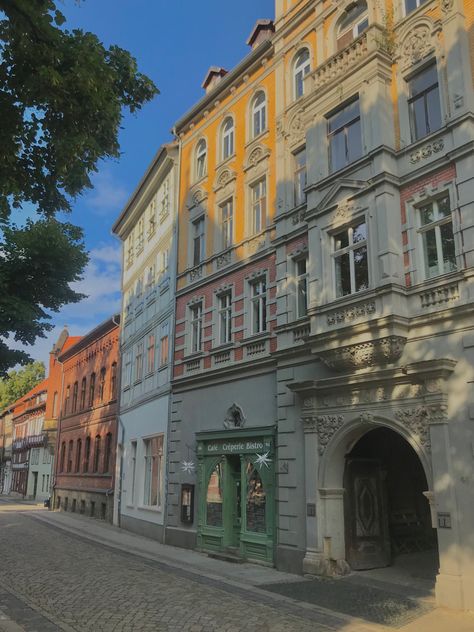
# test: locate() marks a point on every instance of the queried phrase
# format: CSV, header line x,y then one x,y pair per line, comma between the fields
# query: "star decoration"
x,y
262,459
188,466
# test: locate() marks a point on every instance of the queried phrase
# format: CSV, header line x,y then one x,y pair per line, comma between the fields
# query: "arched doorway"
x,y
386,515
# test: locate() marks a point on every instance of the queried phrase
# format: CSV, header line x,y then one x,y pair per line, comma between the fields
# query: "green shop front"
x,y
236,492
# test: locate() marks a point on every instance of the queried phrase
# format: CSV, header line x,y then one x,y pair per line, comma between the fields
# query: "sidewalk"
x,y
243,576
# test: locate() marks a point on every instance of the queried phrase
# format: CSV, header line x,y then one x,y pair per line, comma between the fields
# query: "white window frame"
x,y
300,177
259,114
301,68
196,327
350,250
148,459
224,312
301,281
228,138
438,221
258,306
198,223
258,205
201,159
227,223
138,364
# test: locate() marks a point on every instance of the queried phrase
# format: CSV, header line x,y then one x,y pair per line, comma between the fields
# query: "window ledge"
x,y
151,508
256,139
264,335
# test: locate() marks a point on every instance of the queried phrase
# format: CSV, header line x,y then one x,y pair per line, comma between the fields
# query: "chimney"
x,y
212,78
262,31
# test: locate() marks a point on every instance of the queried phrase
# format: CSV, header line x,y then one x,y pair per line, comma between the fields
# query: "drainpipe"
x,y
116,517
54,465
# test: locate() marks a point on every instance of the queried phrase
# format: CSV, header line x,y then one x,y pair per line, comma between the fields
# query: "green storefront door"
x,y
236,493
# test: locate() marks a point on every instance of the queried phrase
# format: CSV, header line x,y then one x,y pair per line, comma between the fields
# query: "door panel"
x,y
366,515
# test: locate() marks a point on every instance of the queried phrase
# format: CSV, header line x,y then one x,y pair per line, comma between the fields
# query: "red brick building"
x,y
87,433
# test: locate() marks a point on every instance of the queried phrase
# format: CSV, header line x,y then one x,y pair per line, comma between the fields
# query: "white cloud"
x,y
108,195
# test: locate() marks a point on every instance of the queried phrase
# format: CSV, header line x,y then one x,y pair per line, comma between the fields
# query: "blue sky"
x,y
174,43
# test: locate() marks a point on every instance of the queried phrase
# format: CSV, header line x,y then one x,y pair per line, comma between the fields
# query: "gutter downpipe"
x,y
52,502
119,461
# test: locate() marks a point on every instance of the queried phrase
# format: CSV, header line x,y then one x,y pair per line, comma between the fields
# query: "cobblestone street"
x,y
72,584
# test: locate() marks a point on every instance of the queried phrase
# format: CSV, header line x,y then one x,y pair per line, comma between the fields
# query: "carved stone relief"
x,y
223,178
235,417
327,425
365,354
416,45
224,259
446,6
345,211
348,314
426,151
256,155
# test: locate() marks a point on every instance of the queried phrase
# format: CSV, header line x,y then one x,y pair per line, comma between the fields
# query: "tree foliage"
x,y
62,95
18,383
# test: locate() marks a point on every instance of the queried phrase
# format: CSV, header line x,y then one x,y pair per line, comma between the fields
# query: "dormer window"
x,y
353,23
301,67
227,138
201,159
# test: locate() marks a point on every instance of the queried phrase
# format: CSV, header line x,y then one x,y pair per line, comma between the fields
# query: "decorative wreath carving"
x,y
235,417
416,45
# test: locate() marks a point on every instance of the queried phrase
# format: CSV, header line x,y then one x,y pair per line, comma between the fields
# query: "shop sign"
x,y
235,446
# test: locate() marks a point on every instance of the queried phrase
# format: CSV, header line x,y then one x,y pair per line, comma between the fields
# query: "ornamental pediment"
x,y
340,195
224,176
196,197
255,155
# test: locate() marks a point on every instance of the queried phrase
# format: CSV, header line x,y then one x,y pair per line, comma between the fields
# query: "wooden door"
x,y
366,515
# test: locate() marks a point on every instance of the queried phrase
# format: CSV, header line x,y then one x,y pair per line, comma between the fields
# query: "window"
x,y
165,199
300,176
78,455
102,384
87,454
108,452
227,138
227,223
344,136
350,257
225,318
83,393
91,389
201,159
424,103
259,205
301,67
150,354
133,470
129,250
140,234
151,218
69,455
165,258
153,449
164,345
75,389
150,275
196,328
139,361
301,288
352,24
198,241
97,453
113,380
67,398
411,5
34,459
259,114
127,369
258,297
436,234
139,287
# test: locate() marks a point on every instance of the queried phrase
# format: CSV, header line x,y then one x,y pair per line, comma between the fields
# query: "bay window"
x,y
350,260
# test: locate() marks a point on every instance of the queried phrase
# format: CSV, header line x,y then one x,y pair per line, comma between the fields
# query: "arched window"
x,y
87,455
69,456
102,384
66,399
301,67
113,380
74,396
227,138
108,451
259,114
92,389
97,453
83,393
63,456
201,159
353,23
78,455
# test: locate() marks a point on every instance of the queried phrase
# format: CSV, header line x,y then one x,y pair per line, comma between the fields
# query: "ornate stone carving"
x,y
365,354
348,314
446,6
195,273
366,418
297,218
327,425
341,63
426,151
196,198
416,421
235,417
224,259
256,155
345,211
416,45
280,127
